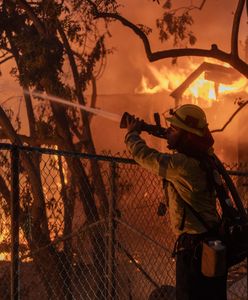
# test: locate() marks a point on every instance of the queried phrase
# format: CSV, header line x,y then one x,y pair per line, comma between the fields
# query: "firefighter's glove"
x,y
134,124
161,209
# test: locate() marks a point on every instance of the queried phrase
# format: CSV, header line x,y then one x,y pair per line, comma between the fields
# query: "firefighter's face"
x,y
173,137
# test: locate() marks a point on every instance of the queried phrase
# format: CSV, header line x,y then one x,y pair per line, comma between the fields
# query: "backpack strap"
x,y
186,204
215,170
181,227
213,167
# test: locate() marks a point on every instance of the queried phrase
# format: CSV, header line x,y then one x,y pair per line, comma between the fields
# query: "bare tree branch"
x,y
93,95
3,53
191,7
202,4
7,132
3,47
135,28
231,118
214,52
6,59
235,28
34,141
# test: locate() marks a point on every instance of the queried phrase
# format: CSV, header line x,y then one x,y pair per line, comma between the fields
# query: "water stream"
x,y
95,111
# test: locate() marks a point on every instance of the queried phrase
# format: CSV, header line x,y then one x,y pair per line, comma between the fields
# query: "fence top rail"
x,y
117,159
6,146
237,173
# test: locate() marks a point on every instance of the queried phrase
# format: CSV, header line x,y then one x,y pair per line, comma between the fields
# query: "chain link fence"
x,y
76,226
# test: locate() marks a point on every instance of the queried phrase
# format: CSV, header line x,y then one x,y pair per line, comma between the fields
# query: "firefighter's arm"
x,y
145,156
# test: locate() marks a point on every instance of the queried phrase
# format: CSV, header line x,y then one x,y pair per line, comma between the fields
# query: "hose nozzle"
x,y
155,130
123,123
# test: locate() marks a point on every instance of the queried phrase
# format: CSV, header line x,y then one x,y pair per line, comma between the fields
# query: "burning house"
x,y
225,88
218,89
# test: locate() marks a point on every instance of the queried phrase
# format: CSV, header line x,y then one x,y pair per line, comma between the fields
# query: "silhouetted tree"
x,y
45,40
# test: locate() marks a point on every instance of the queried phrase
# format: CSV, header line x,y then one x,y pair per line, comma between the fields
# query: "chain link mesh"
x,y
76,245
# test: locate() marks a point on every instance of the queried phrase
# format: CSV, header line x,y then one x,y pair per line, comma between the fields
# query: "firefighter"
x,y
187,181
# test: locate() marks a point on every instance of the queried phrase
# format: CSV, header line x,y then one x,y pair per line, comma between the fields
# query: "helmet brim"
x,y
176,122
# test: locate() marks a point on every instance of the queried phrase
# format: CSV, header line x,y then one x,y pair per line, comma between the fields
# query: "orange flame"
x,y
168,80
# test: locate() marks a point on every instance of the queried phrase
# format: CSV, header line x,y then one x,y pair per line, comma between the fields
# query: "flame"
x,y
166,78
237,86
169,79
201,88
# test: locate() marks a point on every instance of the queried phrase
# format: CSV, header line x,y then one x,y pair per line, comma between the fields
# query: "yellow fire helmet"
x,y
189,117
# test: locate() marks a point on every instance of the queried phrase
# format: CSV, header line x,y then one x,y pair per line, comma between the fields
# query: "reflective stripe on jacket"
x,y
186,180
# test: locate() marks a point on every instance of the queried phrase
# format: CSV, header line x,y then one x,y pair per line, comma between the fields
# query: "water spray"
x,y
155,130
95,111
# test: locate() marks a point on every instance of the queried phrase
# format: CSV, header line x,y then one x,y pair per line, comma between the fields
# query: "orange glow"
x,y
5,256
169,78
5,237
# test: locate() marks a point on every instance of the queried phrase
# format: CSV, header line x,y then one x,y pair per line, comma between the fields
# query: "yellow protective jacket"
x,y
185,179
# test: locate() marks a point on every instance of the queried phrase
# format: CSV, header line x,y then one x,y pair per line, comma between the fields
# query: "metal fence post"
x,y
15,202
112,237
